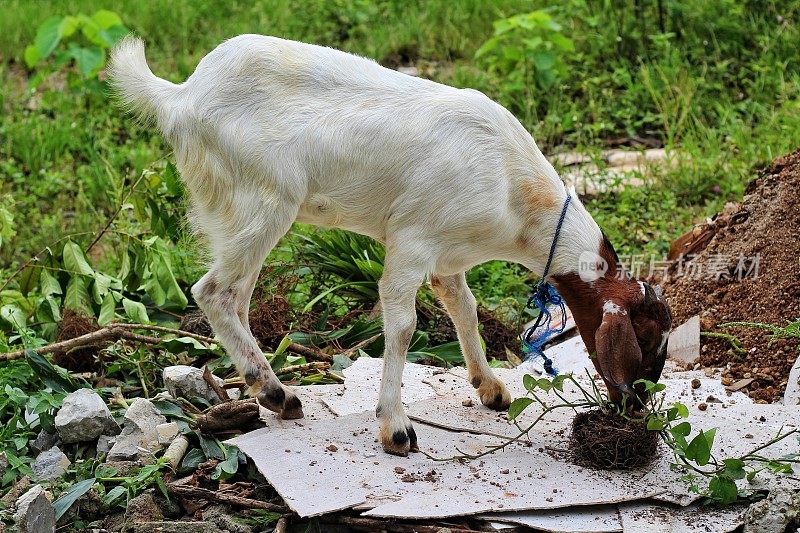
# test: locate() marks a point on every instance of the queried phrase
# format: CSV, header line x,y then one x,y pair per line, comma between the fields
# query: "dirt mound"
x,y
74,324
746,269
610,441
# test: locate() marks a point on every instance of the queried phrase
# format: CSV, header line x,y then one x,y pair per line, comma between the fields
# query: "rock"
x,y
139,437
143,508
104,444
174,527
17,490
684,342
222,517
792,394
35,513
50,464
44,441
774,513
3,465
167,433
187,381
83,417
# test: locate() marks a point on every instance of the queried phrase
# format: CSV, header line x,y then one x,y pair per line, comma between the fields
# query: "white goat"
x,y
267,132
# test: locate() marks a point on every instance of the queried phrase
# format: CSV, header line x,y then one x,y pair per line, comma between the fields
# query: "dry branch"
x,y
107,334
222,497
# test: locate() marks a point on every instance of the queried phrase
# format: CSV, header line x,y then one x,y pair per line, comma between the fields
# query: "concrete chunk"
x,y
83,417
139,437
35,513
187,381
684,342
50,464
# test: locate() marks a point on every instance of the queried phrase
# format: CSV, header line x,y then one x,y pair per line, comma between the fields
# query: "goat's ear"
x,y
618,353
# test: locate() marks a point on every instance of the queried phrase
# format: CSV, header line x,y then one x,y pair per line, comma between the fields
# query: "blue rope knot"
x,y
545,294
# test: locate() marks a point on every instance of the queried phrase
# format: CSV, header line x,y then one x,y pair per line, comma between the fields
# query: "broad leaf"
x,y
71,495
135,311
518,406
77,297
75,260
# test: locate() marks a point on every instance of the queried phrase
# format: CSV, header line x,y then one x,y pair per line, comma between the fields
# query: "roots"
x,y
611,442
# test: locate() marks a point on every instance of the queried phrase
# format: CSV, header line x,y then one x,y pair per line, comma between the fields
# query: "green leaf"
x,y
48,285
71,495
192,460
655,423
77,297
107,310
722,489
544,384
210,447
88,59
14,316
75,260
698,449
229,466
734,468
518,406
54,377
31,56
135,311
529,382
49,35
558,382
114,495
105,19
172,180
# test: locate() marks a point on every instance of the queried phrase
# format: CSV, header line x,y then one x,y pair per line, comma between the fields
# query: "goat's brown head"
x,y
631,341
624,323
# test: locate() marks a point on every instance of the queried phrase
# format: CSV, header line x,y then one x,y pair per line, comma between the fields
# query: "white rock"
x,y
50,464
792,394
187,381
84,416
774,513
167,433
139,437
35,513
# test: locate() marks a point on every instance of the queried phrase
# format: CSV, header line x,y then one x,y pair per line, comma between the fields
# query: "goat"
x,y
268,131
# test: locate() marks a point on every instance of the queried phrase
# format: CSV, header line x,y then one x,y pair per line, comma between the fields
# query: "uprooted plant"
x,y
611,436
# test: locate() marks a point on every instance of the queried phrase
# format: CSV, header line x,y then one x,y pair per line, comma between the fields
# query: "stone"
x,y
187,381
222,517
50,464
3,465
774,513
83,417
139,437
104,444
167,433
44,441
173,527
143,508
792,394
35,513
684,342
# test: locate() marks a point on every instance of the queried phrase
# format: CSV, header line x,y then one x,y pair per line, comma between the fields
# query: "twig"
x,y
314,365
310,353
363,344
210,495
221,393
115,215
111,333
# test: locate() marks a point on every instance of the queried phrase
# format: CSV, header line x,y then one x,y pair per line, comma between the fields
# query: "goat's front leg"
x,y
398,290
462,308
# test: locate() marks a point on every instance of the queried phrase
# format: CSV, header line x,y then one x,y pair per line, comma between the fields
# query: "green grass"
x,y
717,81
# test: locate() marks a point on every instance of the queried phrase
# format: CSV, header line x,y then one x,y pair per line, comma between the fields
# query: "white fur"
x,y
267,132
611,308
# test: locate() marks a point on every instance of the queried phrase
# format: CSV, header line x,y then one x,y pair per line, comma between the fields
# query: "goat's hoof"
x,y
281,401
494,395
400,441
292,408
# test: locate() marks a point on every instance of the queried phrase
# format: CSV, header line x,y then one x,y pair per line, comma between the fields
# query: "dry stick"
x,y
221,393
371,524
111,333
115,215
210,495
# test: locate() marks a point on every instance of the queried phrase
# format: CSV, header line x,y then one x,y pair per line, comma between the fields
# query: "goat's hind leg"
x,y
224,295
462,308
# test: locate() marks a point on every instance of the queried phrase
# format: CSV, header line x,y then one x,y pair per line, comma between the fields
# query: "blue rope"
x,y
543,294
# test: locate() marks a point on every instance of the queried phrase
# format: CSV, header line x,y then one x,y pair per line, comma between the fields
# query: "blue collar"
x,y
545,294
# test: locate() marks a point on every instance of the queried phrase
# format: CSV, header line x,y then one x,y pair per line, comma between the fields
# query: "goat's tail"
x,y
140,91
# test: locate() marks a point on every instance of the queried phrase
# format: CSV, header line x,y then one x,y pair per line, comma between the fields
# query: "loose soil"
x,y
611,442
765,225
